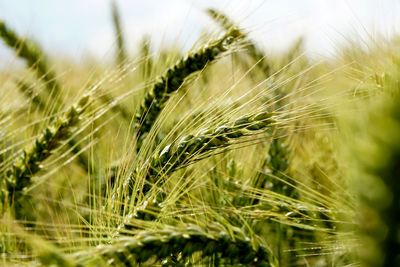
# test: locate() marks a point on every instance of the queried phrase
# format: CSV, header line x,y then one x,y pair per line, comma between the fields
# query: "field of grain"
x,y
225,155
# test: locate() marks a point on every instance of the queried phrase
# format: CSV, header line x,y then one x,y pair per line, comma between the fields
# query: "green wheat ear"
x,y
37,60
188,241
173,78
192,148
37,101
34,57
29,160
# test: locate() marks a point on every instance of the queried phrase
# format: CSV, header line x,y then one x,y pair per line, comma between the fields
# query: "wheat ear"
x,y
76,149
185,241
173,78
116,19
34,57
194,147
28,163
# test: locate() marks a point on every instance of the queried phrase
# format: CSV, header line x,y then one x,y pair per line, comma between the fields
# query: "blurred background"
x,y
78,29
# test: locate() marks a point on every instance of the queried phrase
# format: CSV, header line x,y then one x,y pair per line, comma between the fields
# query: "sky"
x,y
75,28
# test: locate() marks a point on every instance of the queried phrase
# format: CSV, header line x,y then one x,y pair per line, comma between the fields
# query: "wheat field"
x,y
223,155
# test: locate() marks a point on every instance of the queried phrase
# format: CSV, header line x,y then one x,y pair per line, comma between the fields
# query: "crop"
x,y
223,155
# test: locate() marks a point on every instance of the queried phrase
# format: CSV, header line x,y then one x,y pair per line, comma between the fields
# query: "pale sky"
x,y
77,27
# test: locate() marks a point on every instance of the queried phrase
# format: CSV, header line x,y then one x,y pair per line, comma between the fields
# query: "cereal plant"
x,y
223,155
